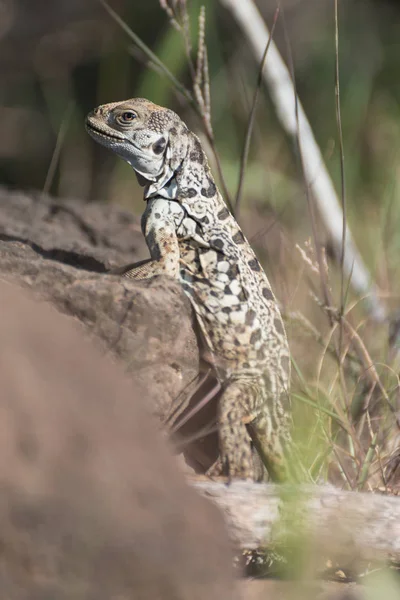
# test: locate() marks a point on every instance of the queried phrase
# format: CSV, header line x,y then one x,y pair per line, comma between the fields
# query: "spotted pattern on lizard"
x,y
192,237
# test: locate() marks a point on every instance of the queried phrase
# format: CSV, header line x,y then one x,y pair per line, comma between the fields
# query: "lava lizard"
x,y
193,238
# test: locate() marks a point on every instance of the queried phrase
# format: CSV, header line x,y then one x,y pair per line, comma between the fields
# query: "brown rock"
x,y
62,250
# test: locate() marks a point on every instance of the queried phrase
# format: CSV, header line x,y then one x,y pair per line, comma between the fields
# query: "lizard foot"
x,y
216,469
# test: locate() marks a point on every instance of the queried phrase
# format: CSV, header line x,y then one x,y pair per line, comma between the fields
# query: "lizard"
x,y
192,236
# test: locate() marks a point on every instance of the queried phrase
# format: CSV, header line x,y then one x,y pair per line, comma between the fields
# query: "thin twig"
x,y
149,53
54,159
342,175
249,130
181,444
57,148
205,400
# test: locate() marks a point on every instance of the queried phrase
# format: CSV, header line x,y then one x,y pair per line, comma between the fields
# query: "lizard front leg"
x,y
159,228
143,269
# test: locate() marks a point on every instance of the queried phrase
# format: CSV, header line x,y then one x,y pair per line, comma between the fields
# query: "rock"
x,y
62,250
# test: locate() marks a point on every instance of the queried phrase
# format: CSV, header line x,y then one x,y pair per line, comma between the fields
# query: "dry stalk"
x,y
170,13
370,370
250,124
294,121
199,73
201,97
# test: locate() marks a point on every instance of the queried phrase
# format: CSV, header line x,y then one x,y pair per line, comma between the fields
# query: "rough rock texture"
x,y
92,504
62,250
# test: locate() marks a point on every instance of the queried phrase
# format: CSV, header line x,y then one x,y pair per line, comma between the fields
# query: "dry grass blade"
x,y
181,402
182,24
249,130
183,442
318,407
367,462
54,159
342,176
57,148
206,91
201,90
201,82
205,400
146,50
186,25
199,74
171,14
367,361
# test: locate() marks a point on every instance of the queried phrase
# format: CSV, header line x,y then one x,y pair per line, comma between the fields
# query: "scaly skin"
x,y
193,237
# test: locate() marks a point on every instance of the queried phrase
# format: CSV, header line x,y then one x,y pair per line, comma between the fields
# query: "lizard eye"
x,y
127,117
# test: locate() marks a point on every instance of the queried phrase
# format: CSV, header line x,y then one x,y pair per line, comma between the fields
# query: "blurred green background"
x,y
60,58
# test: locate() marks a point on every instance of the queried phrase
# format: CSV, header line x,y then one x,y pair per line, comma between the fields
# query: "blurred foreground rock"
x,y
92,505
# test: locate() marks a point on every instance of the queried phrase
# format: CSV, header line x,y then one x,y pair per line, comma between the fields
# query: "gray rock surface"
x,y
62,249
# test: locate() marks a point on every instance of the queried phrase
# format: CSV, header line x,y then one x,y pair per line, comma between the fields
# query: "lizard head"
x,y
147,136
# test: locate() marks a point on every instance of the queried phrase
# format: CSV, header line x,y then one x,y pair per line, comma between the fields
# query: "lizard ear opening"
x,y
159,146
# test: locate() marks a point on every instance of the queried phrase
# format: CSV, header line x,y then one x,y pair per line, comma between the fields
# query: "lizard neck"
x,y
165,183
188,181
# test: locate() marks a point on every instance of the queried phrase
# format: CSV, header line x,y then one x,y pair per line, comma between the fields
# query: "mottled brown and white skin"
x,y
193,237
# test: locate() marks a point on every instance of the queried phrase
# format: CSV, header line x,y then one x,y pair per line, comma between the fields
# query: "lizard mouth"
x,y
100,132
